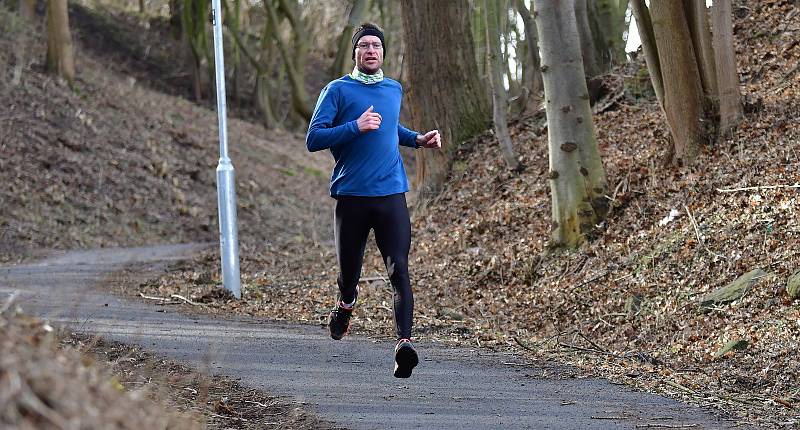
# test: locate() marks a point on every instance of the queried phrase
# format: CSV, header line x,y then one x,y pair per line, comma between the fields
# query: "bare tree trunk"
x,y
267,84
591,68
499,95
175,18
505,53
27,10
646,35
683,94
292,10
531,73
389,11
478,25
730,106
443,90
264,103
59,41
141,7
296,76
341,65
263,88
577,178
700,30
233,20
608,28
195,36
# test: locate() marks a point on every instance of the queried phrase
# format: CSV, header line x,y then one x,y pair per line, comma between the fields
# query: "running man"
x,y
357,118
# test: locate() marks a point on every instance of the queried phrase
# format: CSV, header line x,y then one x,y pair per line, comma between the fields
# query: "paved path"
x,y
347,382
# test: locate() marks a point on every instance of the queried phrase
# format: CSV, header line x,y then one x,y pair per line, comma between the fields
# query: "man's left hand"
x,y
431,139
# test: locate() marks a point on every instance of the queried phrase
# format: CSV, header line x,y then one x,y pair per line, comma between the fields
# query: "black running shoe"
x,y
405,358
340,321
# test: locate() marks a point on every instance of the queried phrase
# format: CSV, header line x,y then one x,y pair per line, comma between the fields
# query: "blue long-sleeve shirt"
x,y
367,164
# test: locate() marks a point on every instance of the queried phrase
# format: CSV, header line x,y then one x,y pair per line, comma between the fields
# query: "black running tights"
x,y
388,217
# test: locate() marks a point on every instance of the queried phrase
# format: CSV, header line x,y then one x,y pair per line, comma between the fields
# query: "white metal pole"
x,y
226,191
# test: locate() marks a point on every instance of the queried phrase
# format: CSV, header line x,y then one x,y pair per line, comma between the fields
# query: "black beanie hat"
x,y
368,30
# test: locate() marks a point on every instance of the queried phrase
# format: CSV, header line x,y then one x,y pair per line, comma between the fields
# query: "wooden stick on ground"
x,y
9,302
180,297
700,239
664,426
163,299
756,188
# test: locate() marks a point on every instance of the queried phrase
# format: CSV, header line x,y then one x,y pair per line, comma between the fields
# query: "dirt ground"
x,y
44,385
119,160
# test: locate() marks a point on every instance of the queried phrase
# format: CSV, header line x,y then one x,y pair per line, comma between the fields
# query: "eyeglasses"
x,y
375,46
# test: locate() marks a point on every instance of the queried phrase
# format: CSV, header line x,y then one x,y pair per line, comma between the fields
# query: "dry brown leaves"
x,y
222,402
115,163
44,386
626,305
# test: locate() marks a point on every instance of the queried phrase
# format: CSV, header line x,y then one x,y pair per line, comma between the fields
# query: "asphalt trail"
x,y
347,382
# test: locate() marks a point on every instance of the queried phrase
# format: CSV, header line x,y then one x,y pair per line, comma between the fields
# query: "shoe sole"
x,y
339,337
334,336
405,359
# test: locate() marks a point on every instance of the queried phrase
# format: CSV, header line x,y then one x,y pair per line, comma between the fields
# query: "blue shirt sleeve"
x,y
407,137
321,132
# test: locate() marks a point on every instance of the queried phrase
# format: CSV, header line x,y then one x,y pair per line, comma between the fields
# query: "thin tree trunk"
x,y
504,25
267,84
341,64
683,95
622,11
141,7
197,79
443,91
27,10
194,14
478,25
532,75
499,95
591,66
300,42
700,30
59,41
175,18
234,24
519,97
263,101
730,106
607,26
646,35
577,178
389,14
295,75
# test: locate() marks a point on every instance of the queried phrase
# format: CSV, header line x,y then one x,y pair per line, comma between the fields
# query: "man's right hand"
x,y
369,120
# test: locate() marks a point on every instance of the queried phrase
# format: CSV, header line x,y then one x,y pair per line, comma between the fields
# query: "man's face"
x,y
369,54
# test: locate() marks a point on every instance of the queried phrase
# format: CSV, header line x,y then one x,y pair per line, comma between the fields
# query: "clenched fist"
x,y
369,120
431,139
